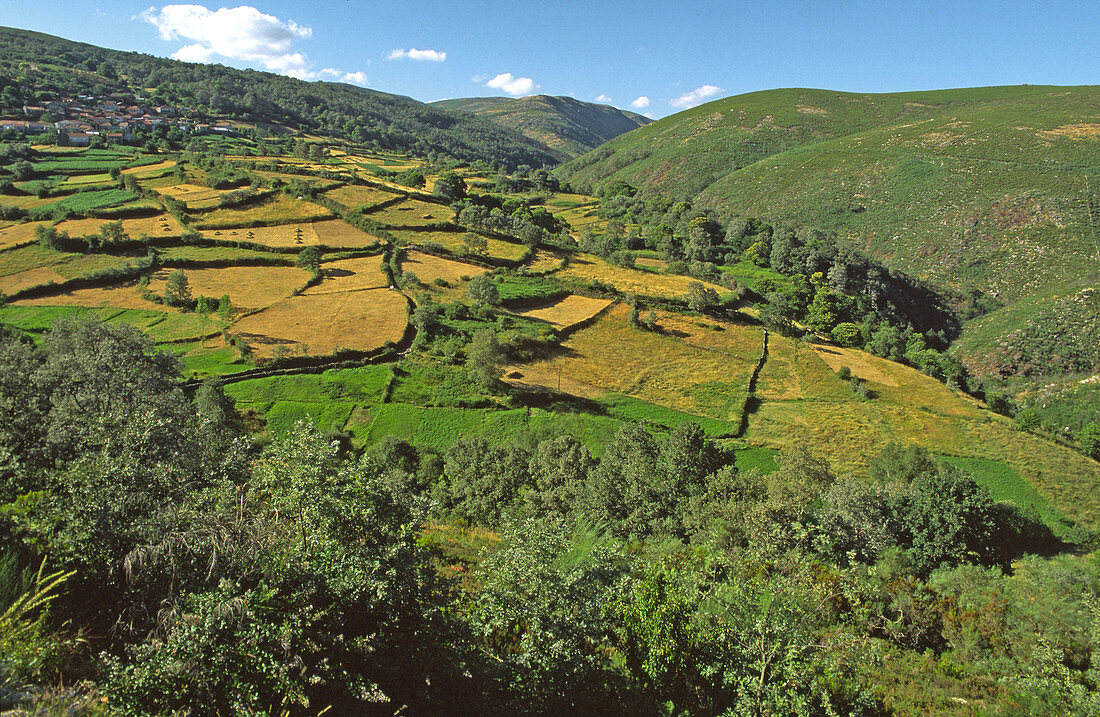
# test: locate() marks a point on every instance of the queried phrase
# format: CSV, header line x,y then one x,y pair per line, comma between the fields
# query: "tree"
x,y
846,334
309,259
177,290
113,232
203,307
475,244
485,358
450,186
483,290
701,298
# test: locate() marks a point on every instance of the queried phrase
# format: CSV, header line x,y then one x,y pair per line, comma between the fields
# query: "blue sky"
x,y
656,58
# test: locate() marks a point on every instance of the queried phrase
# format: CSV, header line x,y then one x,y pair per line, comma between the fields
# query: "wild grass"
x,y
413,212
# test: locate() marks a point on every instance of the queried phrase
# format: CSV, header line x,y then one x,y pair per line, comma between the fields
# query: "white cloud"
x,y
479,78
240,33
603,98
193,53
355,78
695,97
641,103
514,86
415,54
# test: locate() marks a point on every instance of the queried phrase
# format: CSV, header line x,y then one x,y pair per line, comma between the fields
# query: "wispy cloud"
x,y
695,97
603,98
414,54
514,86
641,103
240,33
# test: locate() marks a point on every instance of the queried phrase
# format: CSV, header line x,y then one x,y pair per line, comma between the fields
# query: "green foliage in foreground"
x,y
659,578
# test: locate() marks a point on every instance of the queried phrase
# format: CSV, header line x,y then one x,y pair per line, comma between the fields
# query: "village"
x,y
79,122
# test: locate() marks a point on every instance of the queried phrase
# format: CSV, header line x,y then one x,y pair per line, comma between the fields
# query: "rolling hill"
x,y
564,124
386,121
993,189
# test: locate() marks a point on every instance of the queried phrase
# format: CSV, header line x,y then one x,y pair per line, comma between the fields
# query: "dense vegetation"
x,y
189,570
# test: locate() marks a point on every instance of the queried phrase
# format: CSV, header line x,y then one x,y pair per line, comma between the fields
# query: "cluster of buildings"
x,y
85,117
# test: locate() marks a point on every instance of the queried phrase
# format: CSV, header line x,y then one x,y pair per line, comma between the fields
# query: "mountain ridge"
x,y
565,124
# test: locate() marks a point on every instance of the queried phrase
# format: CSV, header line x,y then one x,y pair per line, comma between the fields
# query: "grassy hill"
x,y
388,122
993,189
564,124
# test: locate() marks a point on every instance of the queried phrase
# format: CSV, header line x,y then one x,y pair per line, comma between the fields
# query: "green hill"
x,y
993,189
564,124
389,122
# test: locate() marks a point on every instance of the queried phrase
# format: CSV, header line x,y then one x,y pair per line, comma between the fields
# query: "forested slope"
x,y
43,62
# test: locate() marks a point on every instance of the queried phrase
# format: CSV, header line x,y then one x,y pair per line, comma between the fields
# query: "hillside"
x,y
385,121
564,124
992,189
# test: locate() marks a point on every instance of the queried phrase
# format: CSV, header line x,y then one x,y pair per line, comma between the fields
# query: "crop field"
x,y
567,311
150,170
161,325
249,287
802,396
17,281
85,180
18,234
545,261
612,357
23,201
321,323
429,267
279,209
93,199
117,296
76,165
160,225
357,274
589,268
413,212
217,253
452,242
354,196
195,196
67,265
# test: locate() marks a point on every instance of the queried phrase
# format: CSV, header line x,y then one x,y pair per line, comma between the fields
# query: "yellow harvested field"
x,y
18,234
335,233
249,287
860,363
358,320
659,264
612,356
413,212
567,311
353,195
632,281
24,201
120,296
190,194
545,261
452,241
161,225
31,277
339,234
150,169
350,275
278,209
428,268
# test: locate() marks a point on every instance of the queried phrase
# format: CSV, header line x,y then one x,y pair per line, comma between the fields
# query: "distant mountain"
x,y
564,124
993,189
31,61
